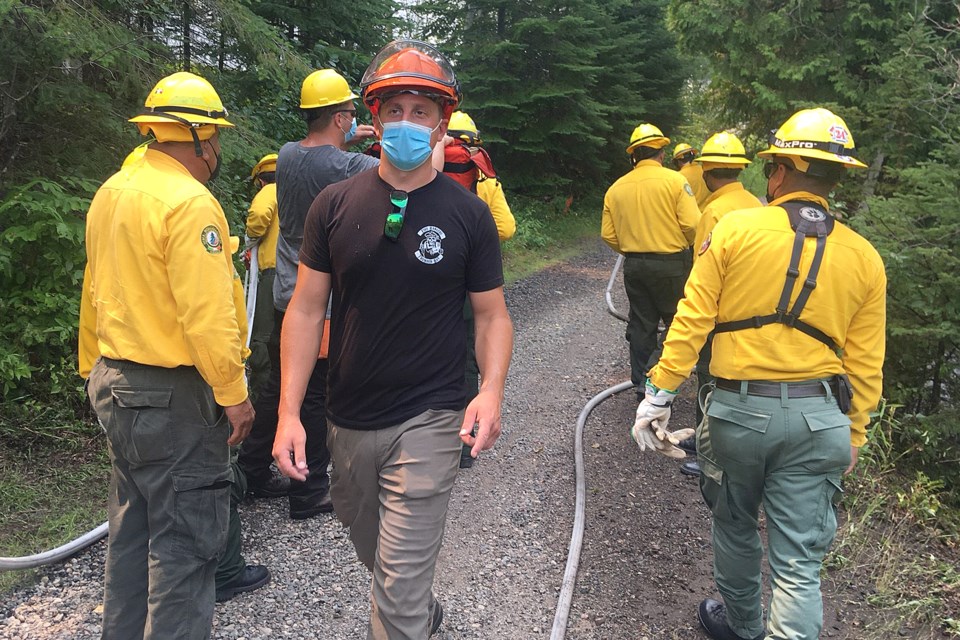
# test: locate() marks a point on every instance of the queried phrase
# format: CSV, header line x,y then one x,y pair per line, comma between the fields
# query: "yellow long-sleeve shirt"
x,y
727,198
263,223
491,191
649,210
158,286
693,172
741,275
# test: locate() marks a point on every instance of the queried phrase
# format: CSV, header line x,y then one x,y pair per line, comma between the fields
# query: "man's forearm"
x,y
299,348
494,347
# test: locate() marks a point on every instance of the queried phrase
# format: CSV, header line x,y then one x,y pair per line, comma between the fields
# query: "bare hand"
x,y
854,455
241,419
363,132
484,413
289,448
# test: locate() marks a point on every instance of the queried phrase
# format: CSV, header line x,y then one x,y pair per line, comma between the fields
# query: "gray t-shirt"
x,y
302,172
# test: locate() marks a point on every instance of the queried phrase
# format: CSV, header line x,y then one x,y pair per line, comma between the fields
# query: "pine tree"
x,y
557,87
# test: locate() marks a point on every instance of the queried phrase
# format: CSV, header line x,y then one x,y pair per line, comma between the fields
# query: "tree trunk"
x,y
186,54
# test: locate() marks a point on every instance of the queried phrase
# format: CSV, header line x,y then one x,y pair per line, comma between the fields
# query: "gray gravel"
x,y
510,517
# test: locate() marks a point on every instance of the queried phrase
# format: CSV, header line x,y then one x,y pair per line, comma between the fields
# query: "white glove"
x,y
650,428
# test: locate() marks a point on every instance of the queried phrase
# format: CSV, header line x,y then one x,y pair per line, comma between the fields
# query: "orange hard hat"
x,y
410,66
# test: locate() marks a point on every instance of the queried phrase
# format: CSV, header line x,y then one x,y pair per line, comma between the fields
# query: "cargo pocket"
x,y
830,500
143,421
736,431
829,444
713,487
201,512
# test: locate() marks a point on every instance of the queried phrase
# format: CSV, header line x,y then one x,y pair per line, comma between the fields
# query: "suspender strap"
x,y
808,221
458,167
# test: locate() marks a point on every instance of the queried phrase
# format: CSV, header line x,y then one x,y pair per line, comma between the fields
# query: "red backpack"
x,y
465,164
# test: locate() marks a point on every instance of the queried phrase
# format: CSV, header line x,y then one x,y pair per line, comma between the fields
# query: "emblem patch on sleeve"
x,y
210,237
705,244
688,189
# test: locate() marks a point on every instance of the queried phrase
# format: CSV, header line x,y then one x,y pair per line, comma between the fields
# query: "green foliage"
x,y
897,543
915,229
589,71
41,270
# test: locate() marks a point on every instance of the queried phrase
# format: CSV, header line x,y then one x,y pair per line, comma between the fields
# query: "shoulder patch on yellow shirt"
x,y
706,244
688,189
210,237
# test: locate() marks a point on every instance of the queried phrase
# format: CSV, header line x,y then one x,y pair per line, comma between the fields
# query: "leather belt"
x,y
773,389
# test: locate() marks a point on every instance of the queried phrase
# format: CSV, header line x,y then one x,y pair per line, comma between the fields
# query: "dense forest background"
x,y
556,87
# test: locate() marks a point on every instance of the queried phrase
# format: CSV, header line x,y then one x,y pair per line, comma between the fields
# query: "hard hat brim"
x,y
813,154
716,161
655,143
191,117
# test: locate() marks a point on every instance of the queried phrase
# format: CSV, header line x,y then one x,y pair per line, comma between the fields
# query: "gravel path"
x,y
646,558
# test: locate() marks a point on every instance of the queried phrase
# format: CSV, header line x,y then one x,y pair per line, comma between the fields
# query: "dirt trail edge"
x,y
646,559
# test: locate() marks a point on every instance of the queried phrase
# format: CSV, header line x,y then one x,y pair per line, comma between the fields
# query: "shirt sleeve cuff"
x,y
230,394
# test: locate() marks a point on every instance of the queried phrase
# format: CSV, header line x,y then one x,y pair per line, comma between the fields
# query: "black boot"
x,y
713,617
251,578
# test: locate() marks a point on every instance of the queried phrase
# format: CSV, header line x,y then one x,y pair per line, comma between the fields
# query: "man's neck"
x,y
327,137
406,180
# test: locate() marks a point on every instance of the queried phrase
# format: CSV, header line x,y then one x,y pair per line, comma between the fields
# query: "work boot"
x,y
302,510
275,487
690,469
689,444
713,617
436,616
251,578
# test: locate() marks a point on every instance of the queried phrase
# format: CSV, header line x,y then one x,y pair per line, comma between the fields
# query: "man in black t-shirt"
x,y
400,247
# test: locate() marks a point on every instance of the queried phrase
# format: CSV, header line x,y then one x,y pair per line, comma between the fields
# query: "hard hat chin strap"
x,y
191,126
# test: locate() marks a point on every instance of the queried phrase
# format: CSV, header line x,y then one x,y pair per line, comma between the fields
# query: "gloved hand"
x,y
650,428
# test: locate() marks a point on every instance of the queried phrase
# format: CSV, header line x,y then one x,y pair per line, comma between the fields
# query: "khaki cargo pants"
x,y
391,487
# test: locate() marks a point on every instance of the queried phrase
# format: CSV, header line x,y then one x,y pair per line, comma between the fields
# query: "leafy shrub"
x,y
41,273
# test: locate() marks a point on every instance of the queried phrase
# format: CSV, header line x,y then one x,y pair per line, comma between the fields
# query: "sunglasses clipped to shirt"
x,y
394,223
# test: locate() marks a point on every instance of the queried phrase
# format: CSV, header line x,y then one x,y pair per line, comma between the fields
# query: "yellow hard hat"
x,y
182,107
324,88
723,151
267,163
682,149
647,135
464,128
814,134
136,155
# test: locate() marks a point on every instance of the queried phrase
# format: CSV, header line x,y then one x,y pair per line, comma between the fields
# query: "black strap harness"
x,y
809,221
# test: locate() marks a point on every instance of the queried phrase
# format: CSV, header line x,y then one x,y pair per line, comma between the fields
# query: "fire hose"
x,y
66,550
565,598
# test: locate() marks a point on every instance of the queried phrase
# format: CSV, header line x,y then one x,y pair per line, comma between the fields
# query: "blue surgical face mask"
x,y
405,144
352,132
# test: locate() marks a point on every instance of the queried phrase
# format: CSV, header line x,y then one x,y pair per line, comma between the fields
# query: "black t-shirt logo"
x,y
430,252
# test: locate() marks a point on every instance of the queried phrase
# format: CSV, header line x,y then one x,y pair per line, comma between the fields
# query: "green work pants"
x,y
788,454
263,315
654,284
168,502
232,563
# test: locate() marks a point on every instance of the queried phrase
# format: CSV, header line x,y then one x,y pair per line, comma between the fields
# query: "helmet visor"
x,y
410,59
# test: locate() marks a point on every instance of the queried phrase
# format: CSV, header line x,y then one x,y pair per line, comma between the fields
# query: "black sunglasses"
x,y
771,167
394,223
